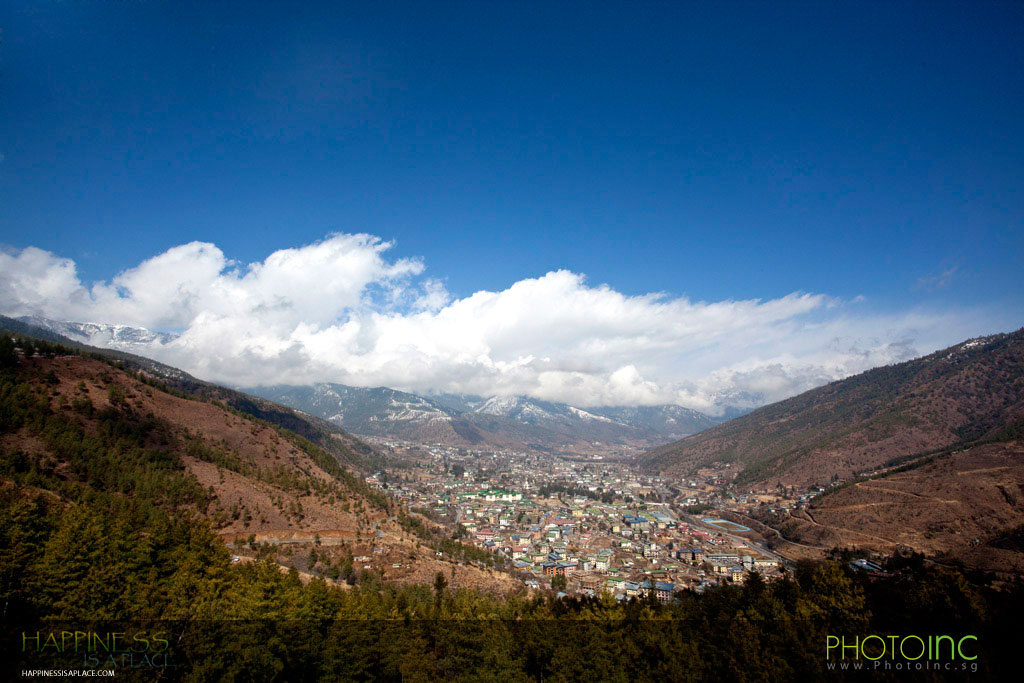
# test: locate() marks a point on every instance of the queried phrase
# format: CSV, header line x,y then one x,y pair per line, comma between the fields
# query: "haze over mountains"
x,y
949,398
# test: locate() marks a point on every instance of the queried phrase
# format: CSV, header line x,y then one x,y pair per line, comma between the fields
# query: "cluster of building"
x,y
579,526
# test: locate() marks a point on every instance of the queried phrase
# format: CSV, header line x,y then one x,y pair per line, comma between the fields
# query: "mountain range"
x,y
513,421
456,419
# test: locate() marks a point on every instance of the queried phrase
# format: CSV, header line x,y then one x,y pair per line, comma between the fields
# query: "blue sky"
x,y
717,151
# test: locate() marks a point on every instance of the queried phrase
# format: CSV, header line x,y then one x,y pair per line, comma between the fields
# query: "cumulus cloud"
x,y
339,310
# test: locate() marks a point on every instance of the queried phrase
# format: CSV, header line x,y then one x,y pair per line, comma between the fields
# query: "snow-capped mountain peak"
x,y
512,406
122,337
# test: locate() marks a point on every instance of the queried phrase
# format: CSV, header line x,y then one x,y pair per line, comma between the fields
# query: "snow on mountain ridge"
x,y
584,415
123,337
415,411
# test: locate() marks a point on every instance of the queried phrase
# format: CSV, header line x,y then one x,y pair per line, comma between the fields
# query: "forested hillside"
x,y
102,563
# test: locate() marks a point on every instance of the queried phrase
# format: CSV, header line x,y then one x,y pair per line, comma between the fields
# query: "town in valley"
x,y
564,524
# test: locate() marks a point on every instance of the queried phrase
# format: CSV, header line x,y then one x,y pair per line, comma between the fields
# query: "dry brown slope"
x,y
257,479
953,396
952,507
338,442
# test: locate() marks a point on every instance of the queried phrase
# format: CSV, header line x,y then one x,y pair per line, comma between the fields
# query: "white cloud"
x,y
339,310
35,282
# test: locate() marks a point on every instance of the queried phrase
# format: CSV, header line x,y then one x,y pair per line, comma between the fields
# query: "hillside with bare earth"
x,y
343,446
256,477
949,398
72,425
960,506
